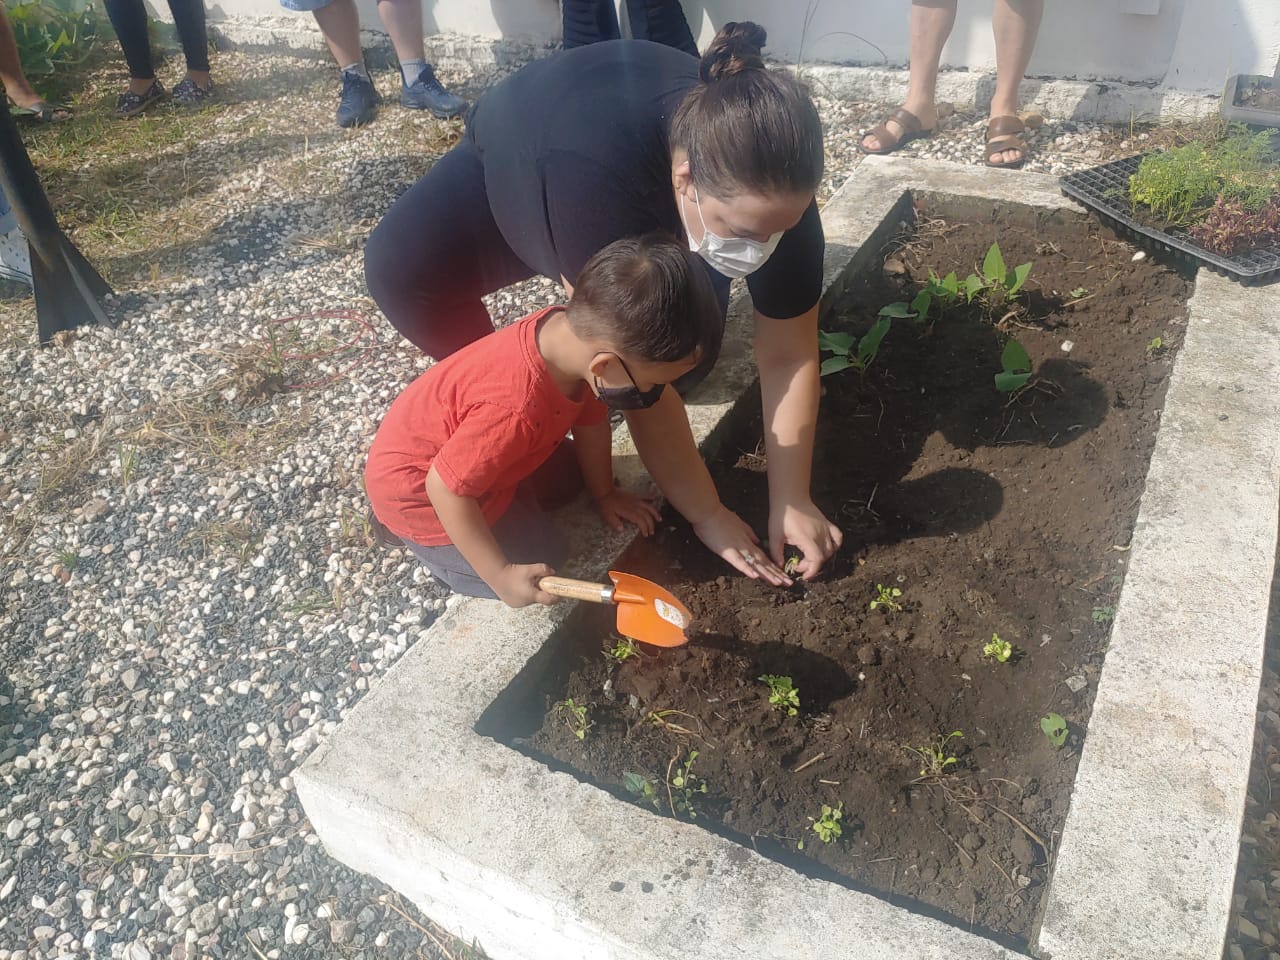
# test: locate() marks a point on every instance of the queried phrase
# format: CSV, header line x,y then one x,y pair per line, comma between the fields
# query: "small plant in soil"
x,y
998,649
997,286
782,694
934,756
1104,614
887,599
686,788
1155,346
1079,293
1015,368
841,346
643,789
827,824
623,650
1055,728
574,714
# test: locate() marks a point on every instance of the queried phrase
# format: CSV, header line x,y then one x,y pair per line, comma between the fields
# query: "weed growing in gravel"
x,y
623,650
1103,614
70,559
782,695
1055,728
999,649
827,824
686,788
887,597
934,756
127,458
574,715
643,789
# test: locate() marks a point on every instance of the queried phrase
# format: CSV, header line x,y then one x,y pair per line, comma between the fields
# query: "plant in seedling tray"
x,y
782,695
934,756
997,649
827,824
887,599
574,714
685,789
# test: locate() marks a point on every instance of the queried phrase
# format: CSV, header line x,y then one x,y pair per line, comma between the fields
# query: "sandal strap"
x,y
1006,126
890,141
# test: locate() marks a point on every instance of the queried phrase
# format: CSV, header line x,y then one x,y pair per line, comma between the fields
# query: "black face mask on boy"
x,y
628,398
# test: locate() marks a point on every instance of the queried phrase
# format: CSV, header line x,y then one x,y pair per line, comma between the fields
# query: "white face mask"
x,y
734,257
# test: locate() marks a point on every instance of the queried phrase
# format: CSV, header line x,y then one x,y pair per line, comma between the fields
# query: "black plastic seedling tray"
x,y
1106,190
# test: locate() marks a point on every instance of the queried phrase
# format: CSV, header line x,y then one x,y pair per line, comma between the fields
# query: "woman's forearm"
x,y
787,357
665,444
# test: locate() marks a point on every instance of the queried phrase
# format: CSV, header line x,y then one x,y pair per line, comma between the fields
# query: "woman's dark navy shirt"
x,y
576,155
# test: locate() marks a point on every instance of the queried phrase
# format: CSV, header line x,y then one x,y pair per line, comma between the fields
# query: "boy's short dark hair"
x,y
649,297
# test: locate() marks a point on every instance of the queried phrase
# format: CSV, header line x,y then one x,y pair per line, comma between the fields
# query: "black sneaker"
x,y
359,103
188,93
381,535
427,93
130,104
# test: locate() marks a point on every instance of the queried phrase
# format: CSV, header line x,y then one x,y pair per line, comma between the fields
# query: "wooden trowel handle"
x,y
577,589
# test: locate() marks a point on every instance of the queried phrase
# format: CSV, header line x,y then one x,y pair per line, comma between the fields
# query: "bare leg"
x,y
928,28
1015,24
13,79
339,21
403,20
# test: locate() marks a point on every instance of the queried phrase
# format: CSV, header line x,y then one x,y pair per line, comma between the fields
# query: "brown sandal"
x,y
912,129
1005,133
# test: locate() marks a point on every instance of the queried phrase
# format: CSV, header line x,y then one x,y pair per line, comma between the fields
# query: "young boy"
x,y
448,468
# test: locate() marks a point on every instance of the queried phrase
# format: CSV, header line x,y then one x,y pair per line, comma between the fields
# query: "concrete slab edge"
x,y
1064,99
1146,866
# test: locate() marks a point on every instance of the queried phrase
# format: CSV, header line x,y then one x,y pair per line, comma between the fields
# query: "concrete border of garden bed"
x,y
536,865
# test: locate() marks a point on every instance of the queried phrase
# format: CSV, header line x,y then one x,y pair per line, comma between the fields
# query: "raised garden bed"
x,y
993,514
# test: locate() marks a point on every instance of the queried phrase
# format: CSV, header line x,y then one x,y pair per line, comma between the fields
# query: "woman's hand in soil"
x,y
803,526
517,584
618,506
728,537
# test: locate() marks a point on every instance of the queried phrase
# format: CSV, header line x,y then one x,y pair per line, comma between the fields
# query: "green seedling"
x,y
997,284
1001,650
687,789
70,559
782,695
1104,614
1015,368
827,824
1156,345
1080,292
887,597
643,789
792,566
840,345
934,756
574,714
623,650
1055,728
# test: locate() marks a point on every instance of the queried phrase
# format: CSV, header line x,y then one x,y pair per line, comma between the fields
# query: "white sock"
x,y
410,70
360,70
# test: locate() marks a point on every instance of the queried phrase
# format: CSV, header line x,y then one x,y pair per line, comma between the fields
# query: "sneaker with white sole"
x,y
15,257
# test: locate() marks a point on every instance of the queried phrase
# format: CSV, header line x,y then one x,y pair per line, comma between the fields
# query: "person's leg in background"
x,y
1015,24
588,21
662,21
437,252
928,28
129,18
189,19
420,89
339,24
16,85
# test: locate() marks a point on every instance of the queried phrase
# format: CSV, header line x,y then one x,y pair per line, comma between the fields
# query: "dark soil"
x,y
1260,95
991,514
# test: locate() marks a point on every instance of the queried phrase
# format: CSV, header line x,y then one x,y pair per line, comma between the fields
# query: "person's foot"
x,y
1006,146
15,257
131,103
359,102
427,93
190,93
897,132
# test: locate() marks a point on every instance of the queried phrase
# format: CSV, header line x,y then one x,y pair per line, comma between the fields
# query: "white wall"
x,y
1182,44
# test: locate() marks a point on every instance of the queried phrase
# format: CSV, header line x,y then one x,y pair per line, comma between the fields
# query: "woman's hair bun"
x,y
735,48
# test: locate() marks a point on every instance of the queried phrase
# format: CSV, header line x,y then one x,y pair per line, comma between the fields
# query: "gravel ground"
x,y
189,599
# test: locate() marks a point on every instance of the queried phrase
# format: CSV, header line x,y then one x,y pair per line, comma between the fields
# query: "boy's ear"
x,y
599,365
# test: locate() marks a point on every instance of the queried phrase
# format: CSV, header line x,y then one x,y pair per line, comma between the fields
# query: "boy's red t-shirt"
x,y
485,417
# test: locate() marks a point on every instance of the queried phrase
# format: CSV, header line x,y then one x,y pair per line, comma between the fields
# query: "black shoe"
x,y
427,93
359,103
130,104
381,535
188,93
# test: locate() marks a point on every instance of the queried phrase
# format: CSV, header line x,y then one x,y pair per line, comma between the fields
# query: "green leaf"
x,y
973,285
898,310
993,265
835,342
1014,358
1009,382
869,345
834,365
634,782
921,304
1019,278
951,284
1055,728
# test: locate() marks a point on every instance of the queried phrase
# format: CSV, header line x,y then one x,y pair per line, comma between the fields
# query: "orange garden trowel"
x,y
646,612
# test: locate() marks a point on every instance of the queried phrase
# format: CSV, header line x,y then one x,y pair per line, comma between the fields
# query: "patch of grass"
x,y
238,539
